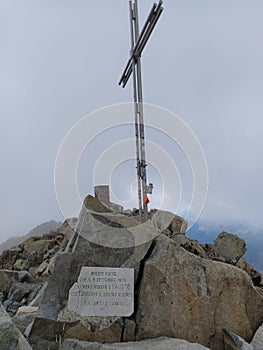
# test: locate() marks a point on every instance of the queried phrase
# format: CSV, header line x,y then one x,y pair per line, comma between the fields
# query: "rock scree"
x,y
186,295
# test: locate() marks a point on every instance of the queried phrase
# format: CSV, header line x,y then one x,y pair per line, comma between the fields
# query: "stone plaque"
x,y
103,291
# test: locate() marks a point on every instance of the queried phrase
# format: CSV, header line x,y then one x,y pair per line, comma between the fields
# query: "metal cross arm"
x,y
144,36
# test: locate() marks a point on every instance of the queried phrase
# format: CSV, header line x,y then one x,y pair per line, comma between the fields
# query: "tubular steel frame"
x,y
138,42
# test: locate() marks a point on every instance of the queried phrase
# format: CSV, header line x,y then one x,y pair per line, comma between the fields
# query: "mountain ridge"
x,y
37,231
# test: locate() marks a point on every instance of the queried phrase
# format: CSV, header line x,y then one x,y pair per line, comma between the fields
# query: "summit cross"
x,y
133,67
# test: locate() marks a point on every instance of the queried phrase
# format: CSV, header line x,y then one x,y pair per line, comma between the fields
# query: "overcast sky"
x,y
61,60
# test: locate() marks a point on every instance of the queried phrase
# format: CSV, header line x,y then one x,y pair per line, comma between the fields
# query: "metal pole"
x,y
138,42
135,96
141,119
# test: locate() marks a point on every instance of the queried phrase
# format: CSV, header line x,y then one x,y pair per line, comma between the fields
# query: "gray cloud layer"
x,y
60,60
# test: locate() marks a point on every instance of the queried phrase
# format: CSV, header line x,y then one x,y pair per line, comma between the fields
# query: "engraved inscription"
x,y
103,291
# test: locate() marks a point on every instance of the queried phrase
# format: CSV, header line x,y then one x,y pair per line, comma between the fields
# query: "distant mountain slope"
x,y
207,233
38,231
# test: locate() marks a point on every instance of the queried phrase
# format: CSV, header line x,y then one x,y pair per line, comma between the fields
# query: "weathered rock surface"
x,y
257,341
24,316
56,294
47,334
8,258
7,278
21,264
119,250
255,275
20,294
150,344
36,299
35,251
181,291
190,245
10,337
92,203
35,244
167,220
114,230
229,248
233,342
19,290
184,296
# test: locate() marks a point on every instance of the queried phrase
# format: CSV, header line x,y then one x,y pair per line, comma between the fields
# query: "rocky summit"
x,y
187,296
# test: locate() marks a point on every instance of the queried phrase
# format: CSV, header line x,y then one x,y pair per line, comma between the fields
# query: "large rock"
x,y
35,248
19,291
255,275
34,244
24,316
166,220
101,329
8,258
184,296
21,264
94,204
257,340
109,240
67,231
7,278
20,294
10,337
68,266
150,344
190,245
229,248
35,299
233,342
47,334
114,230
41,268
